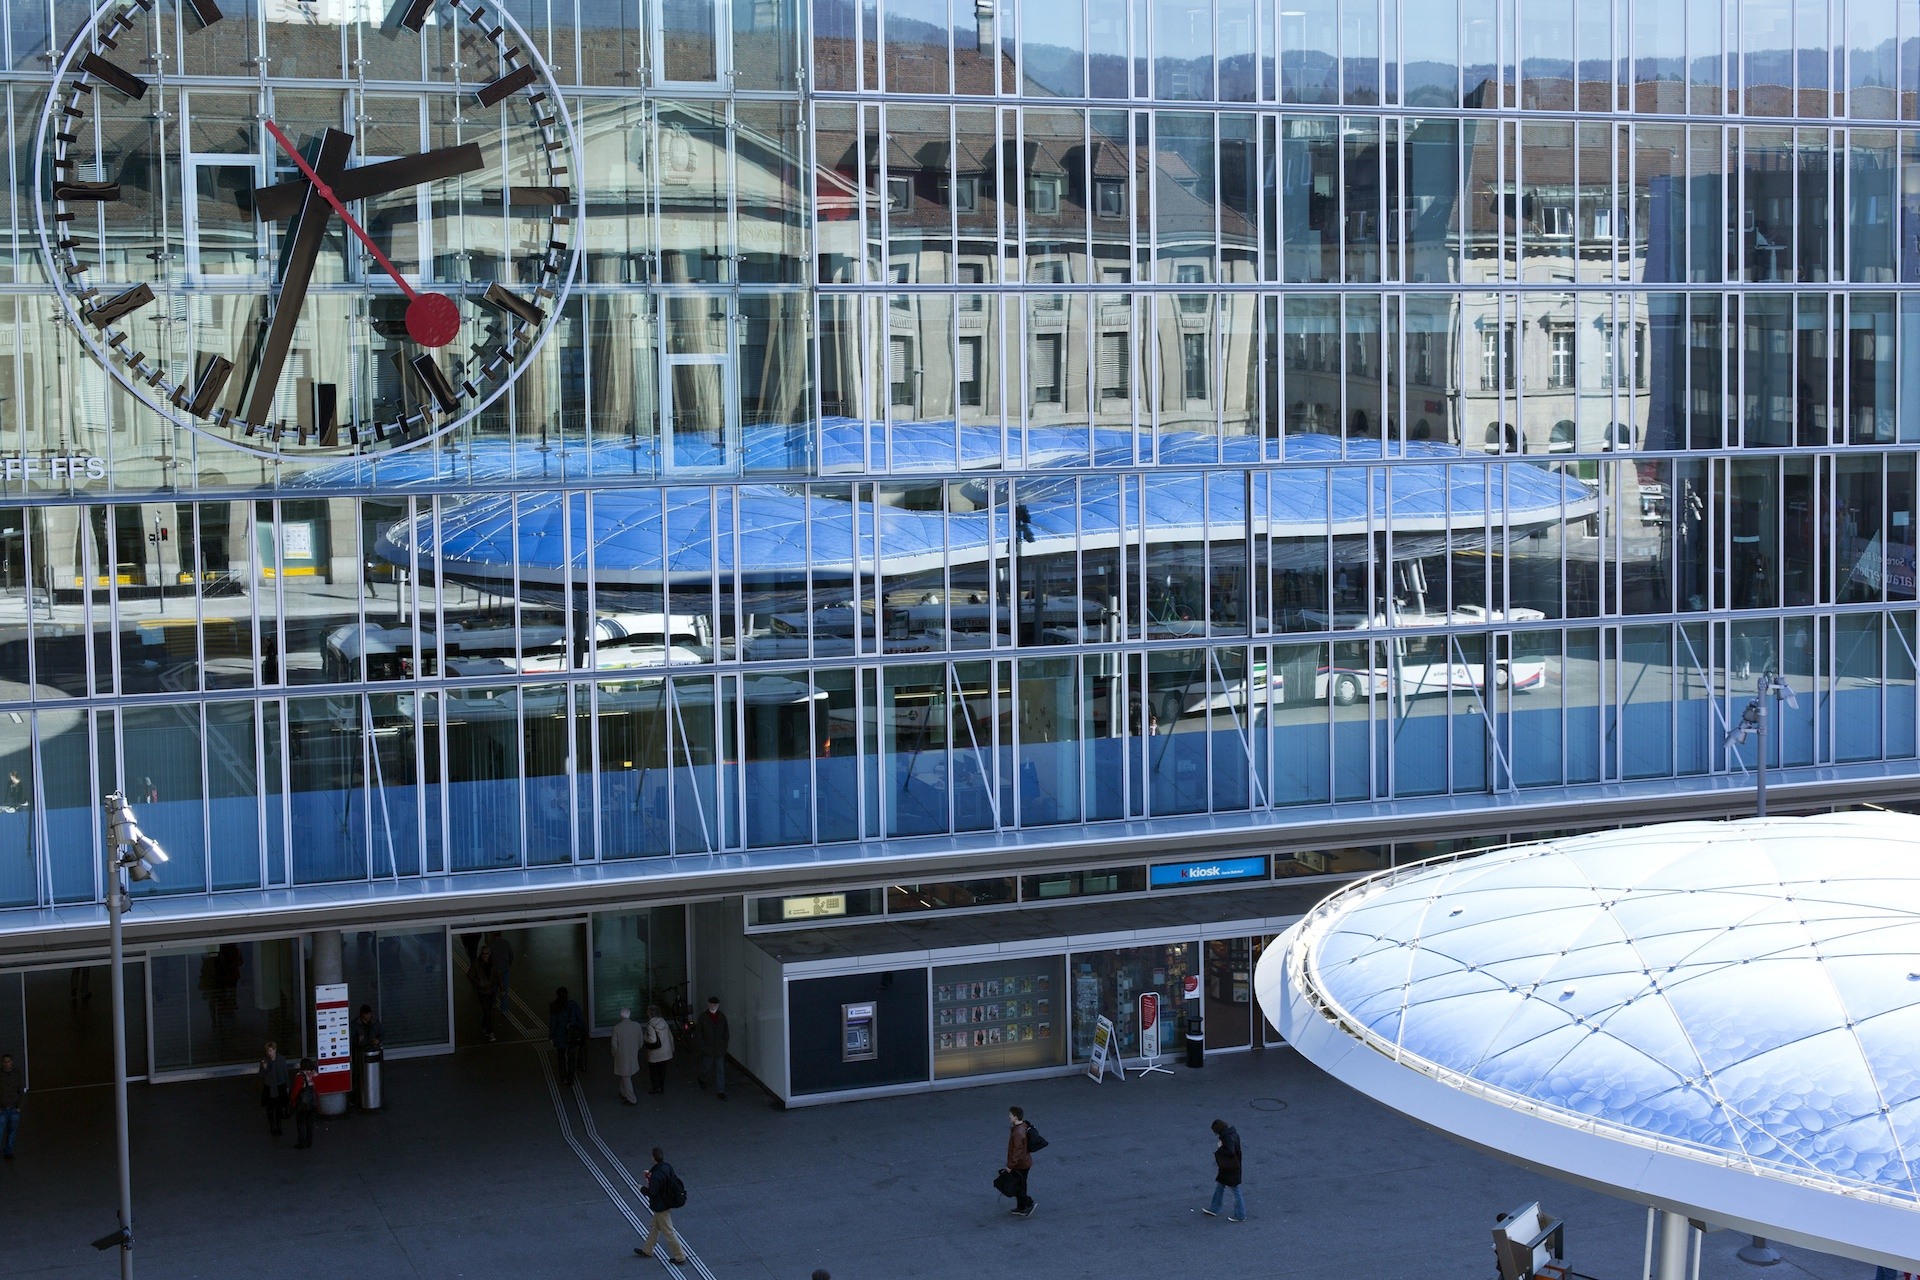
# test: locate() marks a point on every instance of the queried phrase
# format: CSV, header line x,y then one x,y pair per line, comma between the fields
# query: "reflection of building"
x,y
977,463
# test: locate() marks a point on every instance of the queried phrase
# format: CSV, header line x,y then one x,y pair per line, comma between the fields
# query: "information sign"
x,y
1150,1026
333,1038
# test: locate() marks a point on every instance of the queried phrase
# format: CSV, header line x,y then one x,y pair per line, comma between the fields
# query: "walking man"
x,y
659,1045
1019,1162
306,1101
13,1092
626,1038
567,1029
710,1040
1226,1171
486,988
665,1193
276,1077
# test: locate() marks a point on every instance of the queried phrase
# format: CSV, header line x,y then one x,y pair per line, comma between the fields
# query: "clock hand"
x,y
303,252
433,319
363,182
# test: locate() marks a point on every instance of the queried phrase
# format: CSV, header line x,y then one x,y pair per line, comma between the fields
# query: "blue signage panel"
x,y
1166,875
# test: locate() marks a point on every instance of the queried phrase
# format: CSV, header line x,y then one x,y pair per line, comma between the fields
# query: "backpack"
x,y
673,1192
1034,1141
303,1095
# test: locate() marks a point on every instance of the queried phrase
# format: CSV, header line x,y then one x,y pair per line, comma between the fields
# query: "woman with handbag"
x,y
659,1046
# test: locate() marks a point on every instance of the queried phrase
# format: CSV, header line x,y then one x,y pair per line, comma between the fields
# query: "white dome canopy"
x,y
1742,997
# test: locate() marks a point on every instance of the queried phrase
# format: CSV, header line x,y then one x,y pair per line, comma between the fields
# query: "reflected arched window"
x,y
1619,436
1560,439
1504,439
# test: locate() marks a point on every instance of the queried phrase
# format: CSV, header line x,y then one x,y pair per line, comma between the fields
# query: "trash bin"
x,y
1196,1043
370,1080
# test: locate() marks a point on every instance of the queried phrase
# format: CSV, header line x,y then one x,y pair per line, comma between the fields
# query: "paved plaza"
x,y
480,1167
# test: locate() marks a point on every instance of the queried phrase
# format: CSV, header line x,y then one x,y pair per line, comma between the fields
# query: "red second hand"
x,y
326,193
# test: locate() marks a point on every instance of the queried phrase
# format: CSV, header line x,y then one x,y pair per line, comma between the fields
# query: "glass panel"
x,y
1110,983
216,1006
1001,1015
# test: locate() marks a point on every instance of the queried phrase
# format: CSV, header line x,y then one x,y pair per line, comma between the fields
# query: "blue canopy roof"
x,y
649,534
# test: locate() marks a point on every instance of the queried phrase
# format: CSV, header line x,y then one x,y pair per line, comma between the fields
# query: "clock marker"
x,y
102,314
507,300
539,195
109,74
436,383
206,10
74,189
213,379
507,85
416,15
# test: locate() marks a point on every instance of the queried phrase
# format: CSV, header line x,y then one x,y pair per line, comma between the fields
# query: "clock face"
x,y
271,242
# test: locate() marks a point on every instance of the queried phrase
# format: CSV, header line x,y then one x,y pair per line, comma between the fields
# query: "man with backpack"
x,y
665,1193
1022,1141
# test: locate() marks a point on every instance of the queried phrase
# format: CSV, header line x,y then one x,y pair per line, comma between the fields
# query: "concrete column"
x,y
1673,1246
329,966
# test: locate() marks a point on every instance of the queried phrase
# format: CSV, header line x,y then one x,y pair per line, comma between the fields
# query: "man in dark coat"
x,y
710,1036
1019,1162
1226,1171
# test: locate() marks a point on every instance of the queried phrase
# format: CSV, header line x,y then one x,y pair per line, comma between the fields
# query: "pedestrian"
x,y
306,1101
503,962
275,1080
659,1045
626,1037
366,1035
664,1192
486,988
1019,1163
1226,1171
567,1029
13,1093
710,1041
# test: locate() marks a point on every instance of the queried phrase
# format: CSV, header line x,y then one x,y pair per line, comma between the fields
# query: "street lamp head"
x,y
122,829
143,857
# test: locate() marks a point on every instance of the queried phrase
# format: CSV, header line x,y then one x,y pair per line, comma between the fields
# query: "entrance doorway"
x,y
543,956
1234,1017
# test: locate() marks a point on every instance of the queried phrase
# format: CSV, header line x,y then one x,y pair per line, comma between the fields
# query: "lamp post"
x,y
1753,721
131,855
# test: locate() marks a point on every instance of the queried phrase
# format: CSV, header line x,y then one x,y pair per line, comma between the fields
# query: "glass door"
x,y
1228,992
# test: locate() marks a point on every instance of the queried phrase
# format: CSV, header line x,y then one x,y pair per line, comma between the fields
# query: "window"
x,y
1114,379
1046,368
1193,365
899,194
973,274
1110,197
692,43
1556,220
966,195
1043,195
1496,352
1192,304
1560,440
1628,367
900,372
1560,366
969,371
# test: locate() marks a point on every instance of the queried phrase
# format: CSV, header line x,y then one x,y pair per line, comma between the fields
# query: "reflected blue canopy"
x,y
650,534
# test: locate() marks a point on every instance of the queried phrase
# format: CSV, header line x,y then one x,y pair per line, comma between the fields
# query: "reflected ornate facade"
x,y
974,417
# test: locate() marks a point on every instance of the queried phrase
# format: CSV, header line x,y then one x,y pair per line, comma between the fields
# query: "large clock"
x,y
353,239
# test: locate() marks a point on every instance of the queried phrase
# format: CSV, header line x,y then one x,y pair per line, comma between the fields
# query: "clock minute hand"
x,y
364,182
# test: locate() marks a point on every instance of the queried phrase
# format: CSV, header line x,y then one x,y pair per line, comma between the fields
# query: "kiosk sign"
x,y
333,1040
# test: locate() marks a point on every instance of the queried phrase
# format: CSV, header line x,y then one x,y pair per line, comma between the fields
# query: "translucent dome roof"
x,y
1746,993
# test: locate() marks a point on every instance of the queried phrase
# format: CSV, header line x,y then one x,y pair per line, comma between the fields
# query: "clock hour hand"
x,y
304,243
363,182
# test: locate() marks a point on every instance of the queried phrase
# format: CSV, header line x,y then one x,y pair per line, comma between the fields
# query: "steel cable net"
x,y
1750,989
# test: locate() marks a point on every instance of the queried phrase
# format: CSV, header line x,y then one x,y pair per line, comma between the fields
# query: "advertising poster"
x,y
333,1043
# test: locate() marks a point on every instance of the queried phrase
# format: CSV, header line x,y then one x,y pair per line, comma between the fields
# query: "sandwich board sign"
x,y
1103,1049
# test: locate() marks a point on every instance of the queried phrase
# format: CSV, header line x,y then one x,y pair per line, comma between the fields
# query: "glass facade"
x,y
963,419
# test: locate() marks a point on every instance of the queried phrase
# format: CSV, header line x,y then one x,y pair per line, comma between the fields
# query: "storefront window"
x,y
950,895
1344,860
1111,983
640,958
814,908
402,973
215,1006
999,1016
1079,884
